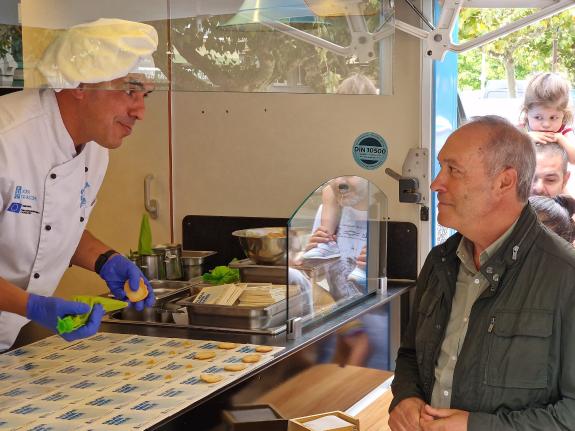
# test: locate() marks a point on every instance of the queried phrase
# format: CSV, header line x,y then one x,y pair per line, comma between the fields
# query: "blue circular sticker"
x,y
370,150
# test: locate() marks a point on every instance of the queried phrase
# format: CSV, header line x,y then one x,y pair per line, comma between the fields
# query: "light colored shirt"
x,y
469,286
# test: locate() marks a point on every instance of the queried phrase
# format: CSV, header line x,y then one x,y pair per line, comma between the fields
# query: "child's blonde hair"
x,y
548,89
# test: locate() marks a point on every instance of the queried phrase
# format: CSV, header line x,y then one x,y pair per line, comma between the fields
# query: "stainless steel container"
x,y
192,262
152,266
172,254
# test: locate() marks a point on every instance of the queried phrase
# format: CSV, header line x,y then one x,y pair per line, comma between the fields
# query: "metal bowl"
x,y
264,245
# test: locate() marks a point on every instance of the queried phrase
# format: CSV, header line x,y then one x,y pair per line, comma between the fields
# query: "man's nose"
x,y
138,107
537,187
438,185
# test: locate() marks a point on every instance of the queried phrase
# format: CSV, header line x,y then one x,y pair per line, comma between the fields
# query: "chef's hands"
x,y
432,419
45,310
116,271
321,235
405,415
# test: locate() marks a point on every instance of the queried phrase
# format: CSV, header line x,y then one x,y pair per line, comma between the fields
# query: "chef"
x,y
54,146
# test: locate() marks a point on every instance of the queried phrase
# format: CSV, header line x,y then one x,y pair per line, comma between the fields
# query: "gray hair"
x,y
553,149
357,84
508,147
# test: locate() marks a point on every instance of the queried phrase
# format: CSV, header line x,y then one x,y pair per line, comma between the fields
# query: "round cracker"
x,y
227,346
138,295
211,378
264,349
235,367
204,355
251,358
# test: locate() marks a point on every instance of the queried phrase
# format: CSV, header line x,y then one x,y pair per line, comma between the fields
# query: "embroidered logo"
x,y
15,207
83,195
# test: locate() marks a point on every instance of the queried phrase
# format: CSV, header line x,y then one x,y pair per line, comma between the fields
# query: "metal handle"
x,y
150,204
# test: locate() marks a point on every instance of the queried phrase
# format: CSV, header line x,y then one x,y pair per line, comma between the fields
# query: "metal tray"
x,y
238,317
251,272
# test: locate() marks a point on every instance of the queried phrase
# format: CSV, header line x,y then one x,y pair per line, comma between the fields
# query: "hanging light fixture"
x,y
254,12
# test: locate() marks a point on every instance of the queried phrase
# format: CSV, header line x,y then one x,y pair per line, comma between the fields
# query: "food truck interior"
x,y
248,125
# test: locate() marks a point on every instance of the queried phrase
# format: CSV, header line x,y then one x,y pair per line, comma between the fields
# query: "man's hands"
x,y
116,271
412,414
443,419
46,310
405,416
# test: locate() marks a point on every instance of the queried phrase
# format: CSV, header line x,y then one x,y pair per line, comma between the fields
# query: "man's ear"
x,y
507,181
566,176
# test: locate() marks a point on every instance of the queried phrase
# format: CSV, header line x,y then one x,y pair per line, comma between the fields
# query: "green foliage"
x,y
9,37
519,54
219,57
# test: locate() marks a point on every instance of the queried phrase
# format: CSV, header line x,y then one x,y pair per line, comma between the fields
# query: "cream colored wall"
x,y
116,217
261,154
250,155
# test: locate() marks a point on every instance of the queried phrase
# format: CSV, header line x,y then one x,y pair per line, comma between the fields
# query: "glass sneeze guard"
x,y
336,247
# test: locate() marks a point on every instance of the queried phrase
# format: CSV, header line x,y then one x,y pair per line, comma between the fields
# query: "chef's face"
x,y
550,179
350,191
464,190
112,108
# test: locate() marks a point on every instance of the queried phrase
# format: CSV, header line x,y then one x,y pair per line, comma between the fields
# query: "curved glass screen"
x,y
336,246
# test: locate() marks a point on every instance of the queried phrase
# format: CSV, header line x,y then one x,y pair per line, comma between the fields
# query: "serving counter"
x,y
263,384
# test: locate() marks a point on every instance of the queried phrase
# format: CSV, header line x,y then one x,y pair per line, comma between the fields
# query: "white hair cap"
x,y
99,51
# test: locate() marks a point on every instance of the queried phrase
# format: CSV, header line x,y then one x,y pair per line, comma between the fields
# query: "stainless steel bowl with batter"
x,y
264,245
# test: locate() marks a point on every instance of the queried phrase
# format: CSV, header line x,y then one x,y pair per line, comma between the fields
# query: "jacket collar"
x,y
510,252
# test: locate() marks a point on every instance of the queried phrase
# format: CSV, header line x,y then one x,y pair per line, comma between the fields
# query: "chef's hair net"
x,y
99,51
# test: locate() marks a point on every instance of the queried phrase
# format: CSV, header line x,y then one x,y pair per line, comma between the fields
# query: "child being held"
x,y
546,114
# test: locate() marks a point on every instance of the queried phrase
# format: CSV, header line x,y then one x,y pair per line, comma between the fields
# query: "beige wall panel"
x,y
261,154
116,217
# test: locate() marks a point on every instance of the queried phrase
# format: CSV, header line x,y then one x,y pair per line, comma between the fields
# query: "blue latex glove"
x,y
45,310
116,271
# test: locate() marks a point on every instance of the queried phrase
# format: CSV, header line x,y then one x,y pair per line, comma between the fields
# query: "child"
x,y
546,113
330,215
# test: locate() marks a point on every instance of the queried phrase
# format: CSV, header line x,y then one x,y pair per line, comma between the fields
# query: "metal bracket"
x,y
382,286
416,165
408,187
294,328
150,204
440,40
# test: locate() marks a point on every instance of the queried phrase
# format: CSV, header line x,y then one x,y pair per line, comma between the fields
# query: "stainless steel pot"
x,y
172,260
152,266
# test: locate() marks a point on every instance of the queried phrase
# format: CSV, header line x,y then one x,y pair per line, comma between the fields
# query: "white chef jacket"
x,y
47,191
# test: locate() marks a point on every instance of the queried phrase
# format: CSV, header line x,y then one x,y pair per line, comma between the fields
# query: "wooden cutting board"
x,y
328,387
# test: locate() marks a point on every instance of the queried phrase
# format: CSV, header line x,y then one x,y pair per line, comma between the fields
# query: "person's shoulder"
x,y
557,251
18,108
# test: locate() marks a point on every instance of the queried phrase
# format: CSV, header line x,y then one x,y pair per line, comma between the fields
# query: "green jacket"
x,y
516,369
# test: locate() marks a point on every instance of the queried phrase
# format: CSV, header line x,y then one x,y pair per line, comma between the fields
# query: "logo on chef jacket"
x,y
369,150
22,195
83,195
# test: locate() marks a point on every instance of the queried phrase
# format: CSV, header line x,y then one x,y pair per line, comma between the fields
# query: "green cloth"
x,y
71,323
145,240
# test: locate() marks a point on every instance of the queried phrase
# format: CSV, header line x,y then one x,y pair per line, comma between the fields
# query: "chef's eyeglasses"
x,y
133,88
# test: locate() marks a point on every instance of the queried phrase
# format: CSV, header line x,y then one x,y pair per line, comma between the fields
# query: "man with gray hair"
x,y
54,146
490,342
551,174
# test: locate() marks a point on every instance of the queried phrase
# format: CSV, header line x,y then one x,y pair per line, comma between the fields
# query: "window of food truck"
x,y
336,247
301,46
491,79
